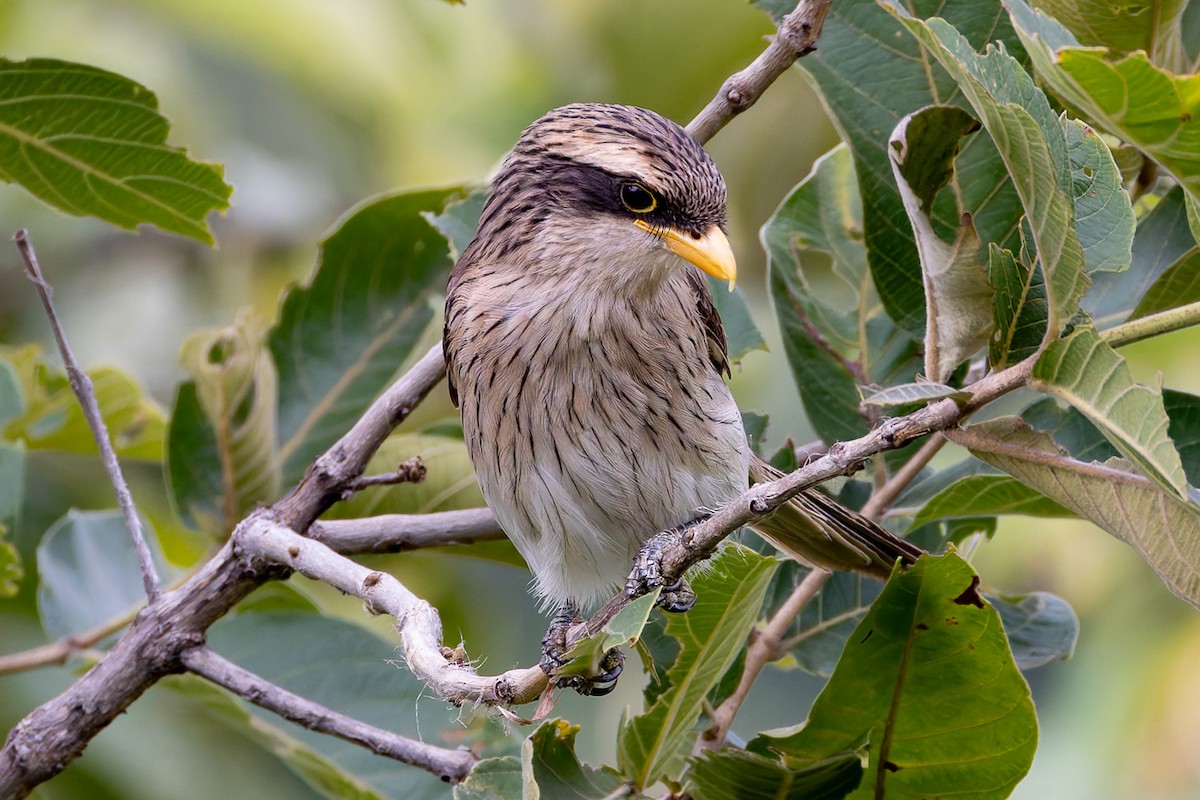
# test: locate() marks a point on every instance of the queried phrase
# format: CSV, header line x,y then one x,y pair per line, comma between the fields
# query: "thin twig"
x,y
882,498
59,651
1136,330
81,384
759,654
411,471
797,36
451,766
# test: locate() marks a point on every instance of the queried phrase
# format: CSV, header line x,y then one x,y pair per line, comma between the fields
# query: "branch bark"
x,y
451,766
55,733
81,384
797,36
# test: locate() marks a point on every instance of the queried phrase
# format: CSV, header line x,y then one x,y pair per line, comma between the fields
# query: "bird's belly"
x,y
582,458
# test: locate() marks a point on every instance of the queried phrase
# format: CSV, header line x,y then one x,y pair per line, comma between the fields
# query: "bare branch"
x,y
56,732
1136,330
411,471
761,650
797,36
394,533
58,652
882,498
345,461
451,766
81,384
418,622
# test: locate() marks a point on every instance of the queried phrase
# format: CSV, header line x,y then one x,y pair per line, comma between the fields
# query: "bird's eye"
x,y
638,198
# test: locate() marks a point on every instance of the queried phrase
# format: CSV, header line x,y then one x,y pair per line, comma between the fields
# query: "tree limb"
x,y
797,36
451,766
395,533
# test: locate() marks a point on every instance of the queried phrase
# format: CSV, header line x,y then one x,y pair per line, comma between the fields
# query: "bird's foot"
x,y
677,595
554,656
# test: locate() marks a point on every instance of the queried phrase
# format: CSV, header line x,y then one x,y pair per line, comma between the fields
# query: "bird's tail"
x,y
822,532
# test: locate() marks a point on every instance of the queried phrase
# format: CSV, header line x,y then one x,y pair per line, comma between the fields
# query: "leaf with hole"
x,y
928,682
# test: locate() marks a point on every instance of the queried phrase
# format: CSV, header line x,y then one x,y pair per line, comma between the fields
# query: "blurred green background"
x,y
313,106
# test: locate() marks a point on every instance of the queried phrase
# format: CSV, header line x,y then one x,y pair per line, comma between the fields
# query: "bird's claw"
x,y
599,685
554,650
676,596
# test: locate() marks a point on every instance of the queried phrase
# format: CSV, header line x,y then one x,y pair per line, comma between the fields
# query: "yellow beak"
x,y
710,252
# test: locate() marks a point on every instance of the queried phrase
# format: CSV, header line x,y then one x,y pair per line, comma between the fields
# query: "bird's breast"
x,y
593,423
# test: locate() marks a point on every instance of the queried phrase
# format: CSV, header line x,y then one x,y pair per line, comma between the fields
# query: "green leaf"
x,y
12,480
1104,219
987,495
911,393
459,219
927,679
553,769
1129,97
1183,410
1125,25
1178,286
1030,140
351,671
195,474
1071,430
822,214
493,779
958,299
89,574
53,420
622,630
828,389
12,493
11,570
90,142
1019,311
1162,242
860,38
339,340
1041,627
654,744
1164,529
1094,379
222,458
735,774
12,400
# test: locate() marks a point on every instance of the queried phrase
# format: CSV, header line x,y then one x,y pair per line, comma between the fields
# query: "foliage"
x,y
974,220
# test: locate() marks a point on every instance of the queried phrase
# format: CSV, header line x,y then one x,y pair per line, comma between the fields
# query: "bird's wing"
x,y
718,347
821,531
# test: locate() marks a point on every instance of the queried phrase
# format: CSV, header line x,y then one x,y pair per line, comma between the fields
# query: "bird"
x,y
588,361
